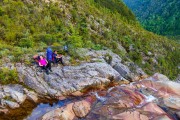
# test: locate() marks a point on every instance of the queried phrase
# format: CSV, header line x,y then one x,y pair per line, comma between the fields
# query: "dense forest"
x,y
28,26
159,16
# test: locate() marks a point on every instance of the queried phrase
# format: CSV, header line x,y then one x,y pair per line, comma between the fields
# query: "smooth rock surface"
x,y
81,108
172,102
69,79
130,116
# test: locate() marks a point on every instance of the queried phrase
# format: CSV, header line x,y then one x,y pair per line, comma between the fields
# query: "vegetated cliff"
x,y
33,24
159,16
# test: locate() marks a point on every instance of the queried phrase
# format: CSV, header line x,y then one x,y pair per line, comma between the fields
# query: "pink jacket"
x,y
42,62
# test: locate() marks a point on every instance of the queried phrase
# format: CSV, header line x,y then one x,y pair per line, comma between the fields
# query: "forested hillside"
x,y
159,16
28,26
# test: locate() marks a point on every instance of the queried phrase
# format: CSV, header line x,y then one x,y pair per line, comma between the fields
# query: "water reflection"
x,y
43,108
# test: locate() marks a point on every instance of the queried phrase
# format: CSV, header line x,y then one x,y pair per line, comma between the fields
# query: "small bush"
x,y
8,76
97,47
136,56
26,42
108,58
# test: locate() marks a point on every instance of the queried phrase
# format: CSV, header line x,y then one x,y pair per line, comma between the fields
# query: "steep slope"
x,y
29,25
159,16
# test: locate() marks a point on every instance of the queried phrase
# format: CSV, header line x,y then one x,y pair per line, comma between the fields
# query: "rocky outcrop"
x,y
128,70
14,95
136,101
66,80
101,68
142,99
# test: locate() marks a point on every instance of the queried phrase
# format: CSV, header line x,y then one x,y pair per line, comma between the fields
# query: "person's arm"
x,y
46,61
40,64
59,56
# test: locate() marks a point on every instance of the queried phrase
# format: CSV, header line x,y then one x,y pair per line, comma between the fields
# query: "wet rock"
x,y
135,115
64,113
81,108
52,115
120,102
124,97
10,104
172,102
135,96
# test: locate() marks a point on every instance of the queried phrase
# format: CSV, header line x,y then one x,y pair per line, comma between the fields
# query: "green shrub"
x,y
97,47
26,42
8,76
108,58
136,56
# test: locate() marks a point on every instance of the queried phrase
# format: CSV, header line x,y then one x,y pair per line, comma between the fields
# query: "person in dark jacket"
x,y
49,54
57,57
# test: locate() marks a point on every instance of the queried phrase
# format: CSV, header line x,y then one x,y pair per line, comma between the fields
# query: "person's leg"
x,y
56,60
49,65
45,68
60,59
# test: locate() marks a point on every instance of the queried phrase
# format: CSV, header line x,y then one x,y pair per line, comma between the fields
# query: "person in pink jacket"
x,y
43,63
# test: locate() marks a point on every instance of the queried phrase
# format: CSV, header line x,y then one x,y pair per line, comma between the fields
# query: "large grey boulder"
x,y
128,70
68,79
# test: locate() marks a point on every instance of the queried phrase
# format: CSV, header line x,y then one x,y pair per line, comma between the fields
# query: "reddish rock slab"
x,y
169,87
152,108
63,113
135,96
135,115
